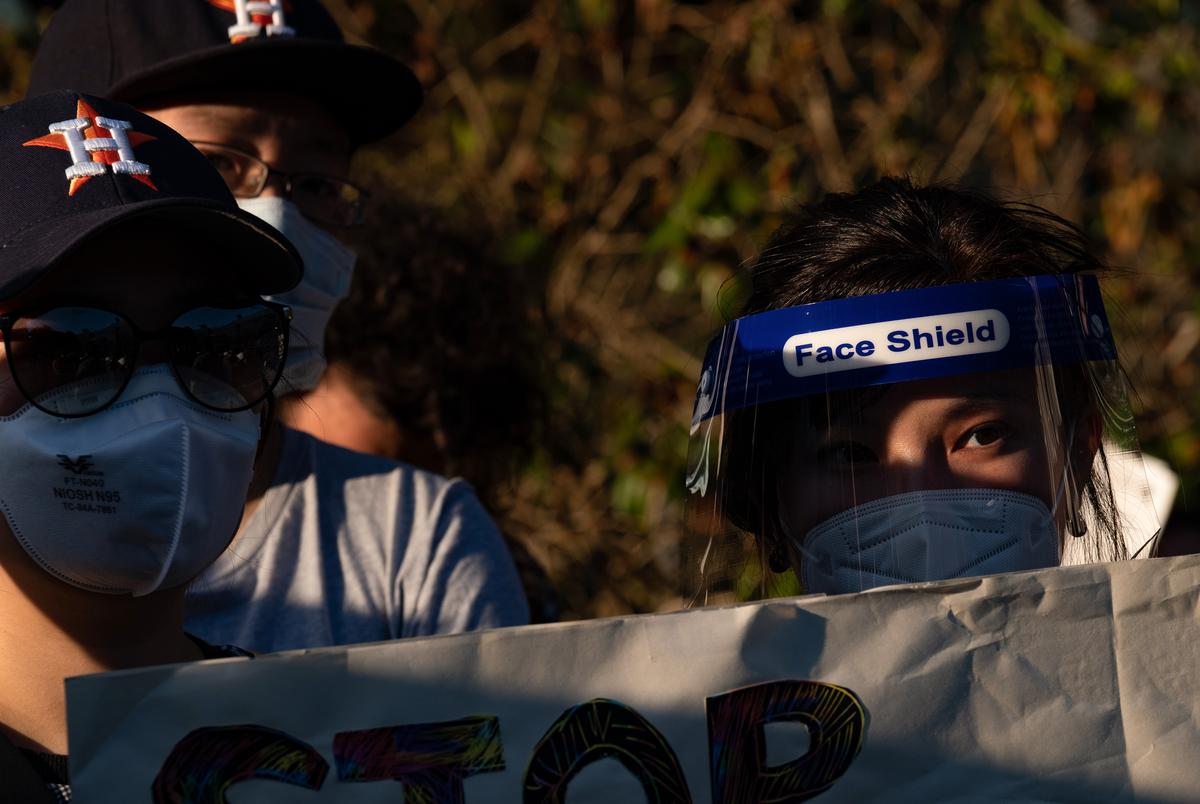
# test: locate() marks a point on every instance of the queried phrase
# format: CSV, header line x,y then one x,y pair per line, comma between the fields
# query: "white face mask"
x,y
328,266
928,536
141,496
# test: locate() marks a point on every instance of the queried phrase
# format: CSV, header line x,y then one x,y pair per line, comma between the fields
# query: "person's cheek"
x,y
808,495
1022,470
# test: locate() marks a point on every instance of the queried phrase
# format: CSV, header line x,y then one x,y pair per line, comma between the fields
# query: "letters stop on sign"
x,y
433,759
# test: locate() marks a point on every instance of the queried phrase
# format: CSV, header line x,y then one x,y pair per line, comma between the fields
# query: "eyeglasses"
x,y
322,198
76,361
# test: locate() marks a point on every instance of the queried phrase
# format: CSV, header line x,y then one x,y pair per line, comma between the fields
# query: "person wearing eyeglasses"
x,y
340,547
136,380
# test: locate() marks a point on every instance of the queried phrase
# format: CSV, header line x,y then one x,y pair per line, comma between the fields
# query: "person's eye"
x,y
845,453
240,171
225,164
985,435
220,161
318,188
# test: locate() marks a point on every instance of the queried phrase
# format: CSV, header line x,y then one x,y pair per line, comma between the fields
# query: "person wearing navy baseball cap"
x,y
278,101
271,93
138,369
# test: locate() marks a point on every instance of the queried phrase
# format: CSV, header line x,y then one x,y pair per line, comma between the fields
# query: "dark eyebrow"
x,y
974,401
854,403
1005,393
236,144
315,136
252,124
859,402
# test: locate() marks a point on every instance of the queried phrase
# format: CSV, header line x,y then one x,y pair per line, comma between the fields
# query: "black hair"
x,y
896,235
442,338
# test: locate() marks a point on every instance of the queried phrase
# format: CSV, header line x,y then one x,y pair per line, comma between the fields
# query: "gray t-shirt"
x,y
345,548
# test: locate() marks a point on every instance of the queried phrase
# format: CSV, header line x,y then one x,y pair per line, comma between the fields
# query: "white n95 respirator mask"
x,y
328,267
140,496
928,536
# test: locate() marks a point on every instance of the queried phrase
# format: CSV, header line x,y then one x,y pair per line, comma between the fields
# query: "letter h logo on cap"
x,y
254,17
96,144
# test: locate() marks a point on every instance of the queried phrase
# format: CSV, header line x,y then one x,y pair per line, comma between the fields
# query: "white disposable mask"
x,y
328,267
929,536
141,496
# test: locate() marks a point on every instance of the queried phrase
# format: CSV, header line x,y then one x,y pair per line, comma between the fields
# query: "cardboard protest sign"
x,y
1072,684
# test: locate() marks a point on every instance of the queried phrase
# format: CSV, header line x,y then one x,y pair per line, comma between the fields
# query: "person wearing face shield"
x,y
923,385
139,363
341,547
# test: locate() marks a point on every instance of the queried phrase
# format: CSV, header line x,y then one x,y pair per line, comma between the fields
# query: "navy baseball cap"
x,y
74,165
139,50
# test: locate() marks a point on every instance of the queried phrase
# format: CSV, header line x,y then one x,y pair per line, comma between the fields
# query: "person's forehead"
x,y
1013,387
1012,384
254,114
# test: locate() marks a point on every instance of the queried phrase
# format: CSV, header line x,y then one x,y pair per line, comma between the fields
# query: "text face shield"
x,y
936,433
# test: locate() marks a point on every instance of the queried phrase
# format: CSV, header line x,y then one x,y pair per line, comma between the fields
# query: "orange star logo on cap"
x,y
97,144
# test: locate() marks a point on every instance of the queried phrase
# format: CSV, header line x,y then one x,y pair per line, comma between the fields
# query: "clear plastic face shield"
x,y
935,433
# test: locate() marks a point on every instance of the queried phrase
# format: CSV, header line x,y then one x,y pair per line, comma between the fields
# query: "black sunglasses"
x,y
73,361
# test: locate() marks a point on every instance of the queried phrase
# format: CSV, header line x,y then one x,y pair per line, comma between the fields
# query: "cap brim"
x,y
266,262
371,93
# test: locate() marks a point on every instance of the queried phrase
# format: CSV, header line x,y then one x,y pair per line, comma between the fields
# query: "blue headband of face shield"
x,y
906,335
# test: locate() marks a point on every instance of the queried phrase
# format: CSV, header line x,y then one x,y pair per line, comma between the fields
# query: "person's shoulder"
x,y
372,477
331,460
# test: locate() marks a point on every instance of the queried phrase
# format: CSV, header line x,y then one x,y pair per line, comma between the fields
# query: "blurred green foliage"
x,y
629,157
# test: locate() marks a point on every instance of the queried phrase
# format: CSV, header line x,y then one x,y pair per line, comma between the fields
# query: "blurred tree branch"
x,y
630,155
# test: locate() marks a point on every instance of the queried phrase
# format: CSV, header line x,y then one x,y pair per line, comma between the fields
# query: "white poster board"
x,y
1073,684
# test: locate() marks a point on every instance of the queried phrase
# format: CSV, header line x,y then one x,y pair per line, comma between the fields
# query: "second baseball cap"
x,y
134,50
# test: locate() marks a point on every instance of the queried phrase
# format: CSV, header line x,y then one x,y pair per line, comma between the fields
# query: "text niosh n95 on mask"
x,y
141,496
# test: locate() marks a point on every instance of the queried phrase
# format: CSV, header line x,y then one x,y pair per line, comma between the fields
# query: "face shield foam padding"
x,y
809,414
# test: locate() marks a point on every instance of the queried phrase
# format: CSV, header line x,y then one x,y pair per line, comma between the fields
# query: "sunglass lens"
x,y
71,361
229,359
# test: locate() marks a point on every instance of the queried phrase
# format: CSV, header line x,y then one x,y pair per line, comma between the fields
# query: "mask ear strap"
x,y
786,536
809,555
783,535
777,558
